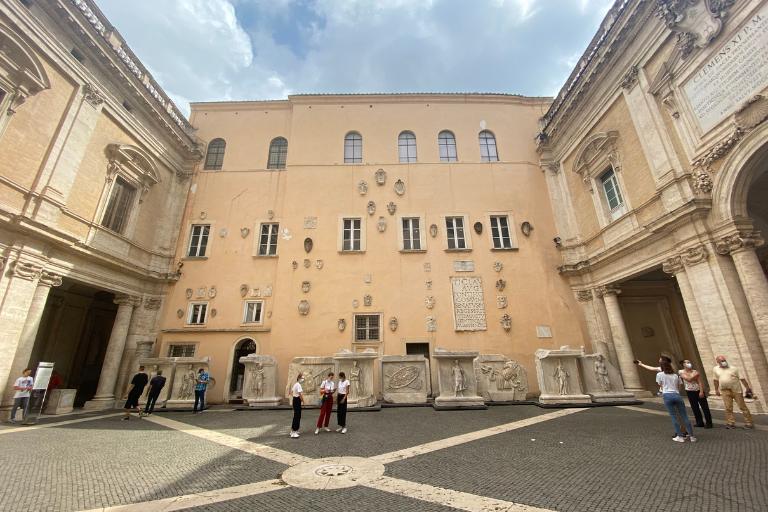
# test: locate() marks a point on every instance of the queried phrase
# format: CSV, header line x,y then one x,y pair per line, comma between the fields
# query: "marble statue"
x,y
561,376
459,381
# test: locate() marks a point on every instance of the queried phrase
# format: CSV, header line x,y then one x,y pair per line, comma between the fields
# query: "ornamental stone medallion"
x,y
399,187
405,379
305,286
367,300
391,208
260,383
333,473
393,323
341,324
500,379
381,177
303,307
362,188
468,304
381,225
371,208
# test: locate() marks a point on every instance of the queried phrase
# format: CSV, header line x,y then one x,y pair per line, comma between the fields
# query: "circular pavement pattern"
x,y
335,473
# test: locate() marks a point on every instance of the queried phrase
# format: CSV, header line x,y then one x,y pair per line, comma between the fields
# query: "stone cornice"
x,y
49,279
739,241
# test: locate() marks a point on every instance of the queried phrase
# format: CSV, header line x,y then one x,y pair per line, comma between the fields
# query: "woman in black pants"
x,y
697,396
341,403
297,398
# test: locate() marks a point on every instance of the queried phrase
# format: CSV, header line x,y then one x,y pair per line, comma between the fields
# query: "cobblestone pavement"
x,y
505,458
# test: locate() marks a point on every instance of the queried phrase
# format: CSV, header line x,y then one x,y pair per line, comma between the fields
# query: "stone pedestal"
x,y
500,379
456,381
260,384
182,386
558,375
602,380
405,379
60,401
358,367
151,366
315,370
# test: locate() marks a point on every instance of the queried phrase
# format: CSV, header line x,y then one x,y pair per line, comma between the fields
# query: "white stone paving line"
x,y
261,450
448,442
448,497
57,424
197,499
665,413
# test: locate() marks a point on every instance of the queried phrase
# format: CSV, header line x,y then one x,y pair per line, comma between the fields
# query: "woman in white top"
x,y
669,382
297,398
697,396
341,403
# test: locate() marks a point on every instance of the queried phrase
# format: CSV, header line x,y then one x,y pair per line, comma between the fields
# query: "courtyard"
x,y
517,458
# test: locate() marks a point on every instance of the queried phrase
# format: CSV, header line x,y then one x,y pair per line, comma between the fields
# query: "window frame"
x,y
260,320
448,158
171,346
207,241
406,141
191,309
483,143
422,232
281,154
340,244
349,137
258,242
218,159
510,228
379,317
620,209
131,205
465,228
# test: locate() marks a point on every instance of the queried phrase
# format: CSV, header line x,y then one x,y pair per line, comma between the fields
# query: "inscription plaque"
x,y
468,304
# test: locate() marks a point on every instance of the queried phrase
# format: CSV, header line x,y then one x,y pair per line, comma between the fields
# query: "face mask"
x,y
301,379
724,364
688,365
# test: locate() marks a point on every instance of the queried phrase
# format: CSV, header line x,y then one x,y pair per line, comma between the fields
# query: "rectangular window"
x,y
252,313
367,328
198,313
181,350
198,240
500,232
119,206
350,236
353,149
454,230
268,239
411,234
612,194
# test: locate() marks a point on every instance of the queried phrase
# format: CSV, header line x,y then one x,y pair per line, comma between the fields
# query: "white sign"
x,y
737,71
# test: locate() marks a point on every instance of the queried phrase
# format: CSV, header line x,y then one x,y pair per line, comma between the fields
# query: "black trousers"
x,y
151,399
199,398
296,423
696,403
341,410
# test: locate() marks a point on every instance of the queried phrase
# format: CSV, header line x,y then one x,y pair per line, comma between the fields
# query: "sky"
x,y
214,50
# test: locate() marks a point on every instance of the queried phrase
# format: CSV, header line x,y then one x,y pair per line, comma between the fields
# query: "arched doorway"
x,y
243,348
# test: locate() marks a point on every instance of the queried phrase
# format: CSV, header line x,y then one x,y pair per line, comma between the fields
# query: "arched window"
x,y
488,151
215,156
353,148
278,152
406,147
447,144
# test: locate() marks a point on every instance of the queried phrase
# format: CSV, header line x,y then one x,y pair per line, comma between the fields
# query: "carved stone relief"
x,y
427,267
223,232
308,244
179,313
433,230
189,293
428,284
506,322
307,263
431,324
391,208
501,301
295,264
303,307
381,177
268,290
399,187
501,284
305,286
429,301
319,264
341,324
367,300
500,379
201,292
310,222
393,323
355,303
212,292
381,225
244,232
362,187
463,266
371,208
498,266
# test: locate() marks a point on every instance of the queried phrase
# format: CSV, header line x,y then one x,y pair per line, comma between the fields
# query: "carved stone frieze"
x,y
697,22
673,265
695,255
630,77
92,95
25,270
583,295
49,279
739,241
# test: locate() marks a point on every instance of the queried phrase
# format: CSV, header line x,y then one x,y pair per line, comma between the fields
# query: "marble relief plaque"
x,y
468,304
463,266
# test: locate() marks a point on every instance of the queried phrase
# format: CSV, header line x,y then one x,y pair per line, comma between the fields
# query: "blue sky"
x,y
208,50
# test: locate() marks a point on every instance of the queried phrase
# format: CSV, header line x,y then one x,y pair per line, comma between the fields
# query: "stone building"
x,y
92,154
655,155
623,216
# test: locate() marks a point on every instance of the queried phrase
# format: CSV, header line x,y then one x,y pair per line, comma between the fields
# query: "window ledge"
x,y
407,251
458,250
194,258
265,255
193,326
504,249
364,342
252,324
351,252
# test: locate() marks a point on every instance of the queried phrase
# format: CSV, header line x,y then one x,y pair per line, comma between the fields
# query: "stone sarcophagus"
x,y
558,375
456,380
358,367
260,384
500,379
602,380
405,379
314,369
182,385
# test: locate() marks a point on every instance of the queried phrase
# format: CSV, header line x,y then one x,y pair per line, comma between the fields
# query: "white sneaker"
x,y
294,434
678,439
317,431
692,439
344,430
338,429
327,429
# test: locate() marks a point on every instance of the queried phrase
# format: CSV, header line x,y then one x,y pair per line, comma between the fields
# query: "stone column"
x,y
741,247
675,267
599,336
621,340
105,392
31,326
141,330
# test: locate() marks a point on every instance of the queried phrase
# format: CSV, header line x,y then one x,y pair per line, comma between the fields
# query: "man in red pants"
x,y
326,403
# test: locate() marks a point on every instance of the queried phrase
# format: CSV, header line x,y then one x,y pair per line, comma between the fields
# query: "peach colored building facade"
x,y
402,280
